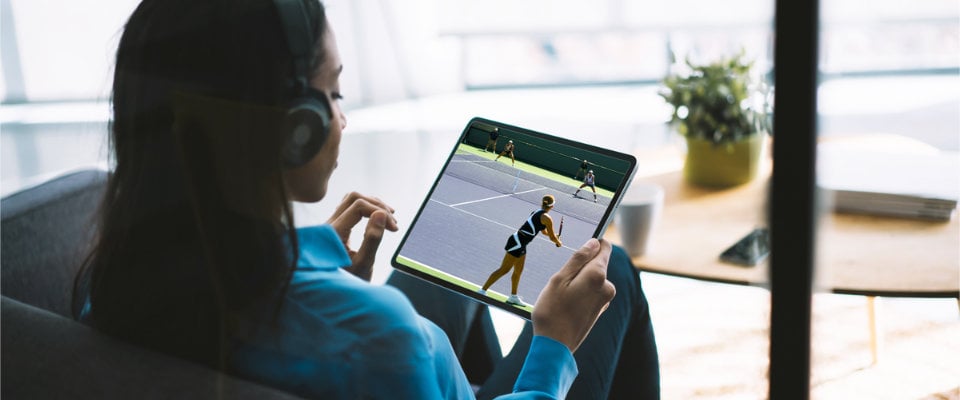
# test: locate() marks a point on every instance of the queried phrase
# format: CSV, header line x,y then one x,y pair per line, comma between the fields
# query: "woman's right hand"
x,y
575,296
352,209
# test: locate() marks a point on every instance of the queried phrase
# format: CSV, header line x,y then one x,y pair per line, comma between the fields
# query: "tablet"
x,y
487,221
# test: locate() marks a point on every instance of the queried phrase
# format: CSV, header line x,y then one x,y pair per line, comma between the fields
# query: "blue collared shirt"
x,y
339,337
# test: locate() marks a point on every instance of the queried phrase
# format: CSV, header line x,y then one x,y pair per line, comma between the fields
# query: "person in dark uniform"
x,y
492,141
516,248
588,180
508,149
583,169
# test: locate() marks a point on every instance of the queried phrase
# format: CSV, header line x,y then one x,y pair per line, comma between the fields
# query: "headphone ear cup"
x,y
305,129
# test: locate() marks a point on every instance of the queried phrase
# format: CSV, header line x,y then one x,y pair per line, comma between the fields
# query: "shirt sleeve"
x,y
548,372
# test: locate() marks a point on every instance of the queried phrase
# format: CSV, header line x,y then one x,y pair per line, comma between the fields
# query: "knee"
x,y
620,258
621,271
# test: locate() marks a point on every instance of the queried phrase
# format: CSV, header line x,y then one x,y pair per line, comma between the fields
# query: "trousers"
x,y
617,360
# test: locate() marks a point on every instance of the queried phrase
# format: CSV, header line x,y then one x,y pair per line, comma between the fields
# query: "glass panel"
x,y
35,149
566,43
890,85
888,249
57,64
564,59
711,317
505,15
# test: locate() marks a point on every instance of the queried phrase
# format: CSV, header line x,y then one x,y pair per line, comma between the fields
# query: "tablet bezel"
x,y
605,220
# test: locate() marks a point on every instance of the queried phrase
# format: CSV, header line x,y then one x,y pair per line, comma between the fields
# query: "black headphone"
x,y
307,123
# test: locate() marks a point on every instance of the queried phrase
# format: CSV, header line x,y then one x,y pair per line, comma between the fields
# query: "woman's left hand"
x,y
353,208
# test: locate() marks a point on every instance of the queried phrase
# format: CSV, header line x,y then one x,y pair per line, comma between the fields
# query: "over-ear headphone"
x,y
307,123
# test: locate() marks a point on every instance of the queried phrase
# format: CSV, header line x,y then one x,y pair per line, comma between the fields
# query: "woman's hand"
x,y
351,210
575,296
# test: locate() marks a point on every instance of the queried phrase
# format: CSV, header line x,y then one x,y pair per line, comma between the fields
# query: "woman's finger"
x,y
578,260
358,209
352,197
592,278
595,270
363,259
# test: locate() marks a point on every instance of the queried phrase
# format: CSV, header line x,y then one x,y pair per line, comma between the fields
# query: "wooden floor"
x,y
713,341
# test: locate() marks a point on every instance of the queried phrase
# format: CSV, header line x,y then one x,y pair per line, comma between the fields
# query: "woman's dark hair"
x,y
195,234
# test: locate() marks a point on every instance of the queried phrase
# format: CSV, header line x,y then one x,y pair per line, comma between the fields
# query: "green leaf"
x,y
717,96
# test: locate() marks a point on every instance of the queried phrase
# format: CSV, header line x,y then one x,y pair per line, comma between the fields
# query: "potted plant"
x,y
724,118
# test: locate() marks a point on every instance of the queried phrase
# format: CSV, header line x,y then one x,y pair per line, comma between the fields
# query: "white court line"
x,y
512,229
495,197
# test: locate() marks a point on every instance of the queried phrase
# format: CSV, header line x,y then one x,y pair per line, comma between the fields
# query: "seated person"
x,y
222,117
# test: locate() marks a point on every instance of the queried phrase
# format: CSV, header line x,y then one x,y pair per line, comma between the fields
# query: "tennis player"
x,y
508,149
589,180
492,141
584,167
516,248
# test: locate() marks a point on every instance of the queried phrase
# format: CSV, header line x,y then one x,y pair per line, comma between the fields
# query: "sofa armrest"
x,y
47,231
46,356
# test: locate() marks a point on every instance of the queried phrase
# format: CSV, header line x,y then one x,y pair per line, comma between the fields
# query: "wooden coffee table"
x,y
857,254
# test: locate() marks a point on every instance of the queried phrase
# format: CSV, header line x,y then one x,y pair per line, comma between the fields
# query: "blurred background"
x,y
428,65
419,69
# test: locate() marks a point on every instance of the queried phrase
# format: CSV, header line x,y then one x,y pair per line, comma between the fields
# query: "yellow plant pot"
x,y
722,165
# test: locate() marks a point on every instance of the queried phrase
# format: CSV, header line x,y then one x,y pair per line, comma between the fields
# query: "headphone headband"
x,y
307,123
299,32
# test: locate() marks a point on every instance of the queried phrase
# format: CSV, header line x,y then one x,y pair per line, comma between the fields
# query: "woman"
x,y
588,180
508,150
516,248
223,114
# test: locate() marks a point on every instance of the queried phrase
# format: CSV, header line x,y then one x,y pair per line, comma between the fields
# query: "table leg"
x,y
874,336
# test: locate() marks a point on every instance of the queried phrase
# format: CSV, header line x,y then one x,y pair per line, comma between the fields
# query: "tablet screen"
x,y
504,200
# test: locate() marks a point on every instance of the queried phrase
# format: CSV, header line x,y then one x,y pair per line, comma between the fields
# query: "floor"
x,y
713,340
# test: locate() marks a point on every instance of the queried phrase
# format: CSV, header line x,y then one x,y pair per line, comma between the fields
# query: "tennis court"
x,y
477,204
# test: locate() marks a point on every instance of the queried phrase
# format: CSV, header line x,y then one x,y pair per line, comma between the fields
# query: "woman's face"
x,y
308,183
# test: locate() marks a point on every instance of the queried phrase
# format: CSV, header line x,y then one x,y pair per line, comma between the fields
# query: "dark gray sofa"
x,y
46,354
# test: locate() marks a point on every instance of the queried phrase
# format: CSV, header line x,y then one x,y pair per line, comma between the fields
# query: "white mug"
x,y
637,215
